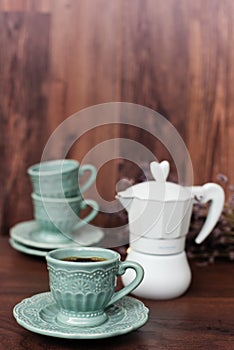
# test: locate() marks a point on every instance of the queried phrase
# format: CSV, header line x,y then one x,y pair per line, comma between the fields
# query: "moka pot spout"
x,y
125,199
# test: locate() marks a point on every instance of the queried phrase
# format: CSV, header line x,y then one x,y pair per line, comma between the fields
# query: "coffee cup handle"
x,y
123,266
90,216
92,177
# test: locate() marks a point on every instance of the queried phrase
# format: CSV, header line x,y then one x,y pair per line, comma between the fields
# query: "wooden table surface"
x,y
201,319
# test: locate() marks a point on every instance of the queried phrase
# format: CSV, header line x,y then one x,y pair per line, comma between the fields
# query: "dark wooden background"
x,y
58,57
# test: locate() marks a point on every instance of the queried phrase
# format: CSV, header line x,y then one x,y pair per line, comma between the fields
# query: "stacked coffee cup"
x,y
57,198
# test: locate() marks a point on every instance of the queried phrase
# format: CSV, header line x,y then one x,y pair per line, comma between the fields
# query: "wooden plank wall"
x,y
58,57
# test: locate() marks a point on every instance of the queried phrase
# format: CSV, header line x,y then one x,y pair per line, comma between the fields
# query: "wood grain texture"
x,y
59,57
177,59
43,6
210,108
155,65
24,67
85,68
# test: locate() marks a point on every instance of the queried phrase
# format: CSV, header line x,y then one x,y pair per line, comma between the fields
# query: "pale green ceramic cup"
x,y
83,290
59,217
59,178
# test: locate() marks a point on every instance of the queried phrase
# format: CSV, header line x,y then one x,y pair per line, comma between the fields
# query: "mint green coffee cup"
x,y
57,218
83,290
60,178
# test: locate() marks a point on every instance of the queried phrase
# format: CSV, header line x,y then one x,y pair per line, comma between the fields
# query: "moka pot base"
x,y
166,276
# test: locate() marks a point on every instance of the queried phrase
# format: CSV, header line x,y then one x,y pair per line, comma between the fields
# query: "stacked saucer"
x,y
24,238
57,201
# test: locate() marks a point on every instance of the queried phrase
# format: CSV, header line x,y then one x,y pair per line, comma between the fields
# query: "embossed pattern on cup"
x,y
82,290
59,178
56,178
56,215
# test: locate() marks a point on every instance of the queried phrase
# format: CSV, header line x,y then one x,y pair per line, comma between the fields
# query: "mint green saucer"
x,y
28,233
27,250
39,314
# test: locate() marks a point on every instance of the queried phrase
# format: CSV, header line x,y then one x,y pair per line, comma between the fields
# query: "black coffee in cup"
x,y
83,259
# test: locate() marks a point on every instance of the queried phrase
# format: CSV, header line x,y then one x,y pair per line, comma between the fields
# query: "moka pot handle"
x,y
203,194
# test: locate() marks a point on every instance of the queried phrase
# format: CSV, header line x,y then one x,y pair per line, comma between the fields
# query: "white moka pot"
x,y
159,214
